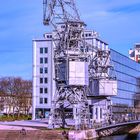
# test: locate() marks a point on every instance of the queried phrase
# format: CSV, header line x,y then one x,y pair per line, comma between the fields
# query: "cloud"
x,y
116,21
20,21
127,9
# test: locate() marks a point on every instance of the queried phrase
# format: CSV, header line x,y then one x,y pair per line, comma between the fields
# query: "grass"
x,y
15,117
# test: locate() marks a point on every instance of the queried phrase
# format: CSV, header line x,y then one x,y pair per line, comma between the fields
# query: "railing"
x,y
110,121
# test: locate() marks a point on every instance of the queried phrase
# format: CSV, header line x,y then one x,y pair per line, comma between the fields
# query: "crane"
x,y
67,41
70,60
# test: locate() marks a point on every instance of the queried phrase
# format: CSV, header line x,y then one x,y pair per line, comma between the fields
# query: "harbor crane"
x,y
74,67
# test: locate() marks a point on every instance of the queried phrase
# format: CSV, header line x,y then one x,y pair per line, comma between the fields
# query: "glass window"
x,y
41,90
41,80
46,60
87,48
41,100
41,50
45,70
82,49
41,60
96,113
45,100
41,70
101,113
45,90
46,50
46,80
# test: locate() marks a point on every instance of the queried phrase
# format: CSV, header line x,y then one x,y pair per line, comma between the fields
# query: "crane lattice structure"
x,y
67,38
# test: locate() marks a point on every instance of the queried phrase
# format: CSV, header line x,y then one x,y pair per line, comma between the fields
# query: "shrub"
x,y
15,117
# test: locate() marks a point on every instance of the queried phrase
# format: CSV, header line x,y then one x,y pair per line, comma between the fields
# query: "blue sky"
x,y
116,21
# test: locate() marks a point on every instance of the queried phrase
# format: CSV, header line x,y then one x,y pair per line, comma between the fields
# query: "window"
x,y
45,70
46,50
41,100
46,60
41,80
49,36
101,113
41,60
41,90
82,49
41,70
45,90
63,26
46,80
45,100
41,50
96,113
87,48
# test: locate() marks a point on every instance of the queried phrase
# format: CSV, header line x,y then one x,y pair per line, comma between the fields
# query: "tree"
x,y
16,95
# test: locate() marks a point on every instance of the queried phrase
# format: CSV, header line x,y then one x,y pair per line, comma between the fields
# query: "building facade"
x,y
125,70
127,74
42,76
134,54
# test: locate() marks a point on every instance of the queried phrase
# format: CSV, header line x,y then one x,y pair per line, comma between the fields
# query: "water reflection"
x,y
122,137
132,137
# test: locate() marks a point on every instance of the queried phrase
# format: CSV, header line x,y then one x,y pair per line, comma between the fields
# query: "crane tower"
x,y
74,68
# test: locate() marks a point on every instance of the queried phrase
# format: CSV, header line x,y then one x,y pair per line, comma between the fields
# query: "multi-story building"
x,y
42,76
121,102
134,54
127,74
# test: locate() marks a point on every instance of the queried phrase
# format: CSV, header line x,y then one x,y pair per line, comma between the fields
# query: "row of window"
x,y
43,50
43,90
125,61
49,36
43,70
43,80
43,60
87,35
43,102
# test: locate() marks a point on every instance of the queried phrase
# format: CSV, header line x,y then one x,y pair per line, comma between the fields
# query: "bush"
x,y
15,117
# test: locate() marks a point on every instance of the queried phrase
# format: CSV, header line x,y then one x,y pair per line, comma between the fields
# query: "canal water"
x,y
122,137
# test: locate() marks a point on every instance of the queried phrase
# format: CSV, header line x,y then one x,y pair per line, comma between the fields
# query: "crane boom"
x,y
56,11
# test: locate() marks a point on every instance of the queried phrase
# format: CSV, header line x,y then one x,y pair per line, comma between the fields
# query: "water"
x,y
122,137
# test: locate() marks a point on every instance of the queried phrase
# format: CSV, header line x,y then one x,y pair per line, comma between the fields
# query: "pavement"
x,y
18,125
7,127
30,124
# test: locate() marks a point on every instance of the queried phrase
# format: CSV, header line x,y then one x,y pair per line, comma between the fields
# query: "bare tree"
x,y
16,95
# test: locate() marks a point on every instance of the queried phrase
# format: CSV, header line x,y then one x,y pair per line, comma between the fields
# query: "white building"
x,y
126,70
134,54
43,75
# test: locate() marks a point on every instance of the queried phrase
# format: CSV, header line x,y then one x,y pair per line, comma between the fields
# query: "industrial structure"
x,y
76,75
79,66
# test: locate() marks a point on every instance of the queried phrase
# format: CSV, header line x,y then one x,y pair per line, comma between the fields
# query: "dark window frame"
x,y
41,100
45,100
